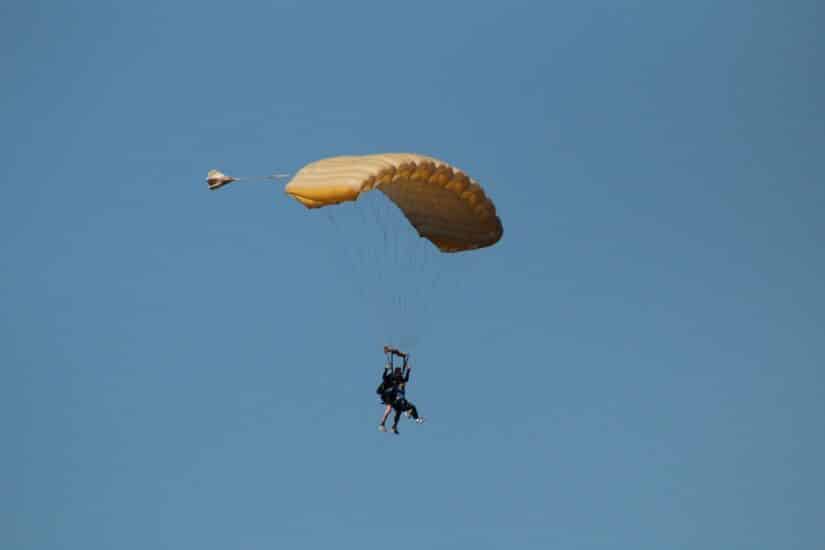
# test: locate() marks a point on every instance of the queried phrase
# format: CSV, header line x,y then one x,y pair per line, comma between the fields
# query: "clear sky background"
x,y
638,364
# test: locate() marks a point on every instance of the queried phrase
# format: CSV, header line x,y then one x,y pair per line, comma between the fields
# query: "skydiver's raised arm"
x,y
393,351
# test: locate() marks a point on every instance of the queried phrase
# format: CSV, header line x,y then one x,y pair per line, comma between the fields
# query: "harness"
x,y
389,389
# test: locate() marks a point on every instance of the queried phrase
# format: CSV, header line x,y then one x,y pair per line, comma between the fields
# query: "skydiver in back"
x,y
390,379
402,405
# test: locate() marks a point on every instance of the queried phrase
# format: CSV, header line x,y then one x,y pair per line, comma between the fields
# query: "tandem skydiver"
x,y
392,390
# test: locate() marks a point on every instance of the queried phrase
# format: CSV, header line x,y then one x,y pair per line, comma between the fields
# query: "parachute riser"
x,y
391,362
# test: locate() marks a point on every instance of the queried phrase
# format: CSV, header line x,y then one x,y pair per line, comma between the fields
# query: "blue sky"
x,y
637,364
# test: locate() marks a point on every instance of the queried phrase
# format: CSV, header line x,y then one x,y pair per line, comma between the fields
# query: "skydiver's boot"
x,y
382,428
419,420
395,430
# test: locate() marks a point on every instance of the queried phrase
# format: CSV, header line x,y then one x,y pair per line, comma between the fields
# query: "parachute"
x,y
442,203
393,270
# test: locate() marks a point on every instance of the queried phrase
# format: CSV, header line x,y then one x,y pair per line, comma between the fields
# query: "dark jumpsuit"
x,y
400,403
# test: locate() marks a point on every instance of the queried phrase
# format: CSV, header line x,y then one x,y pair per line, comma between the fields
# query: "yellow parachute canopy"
x,y
443,204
